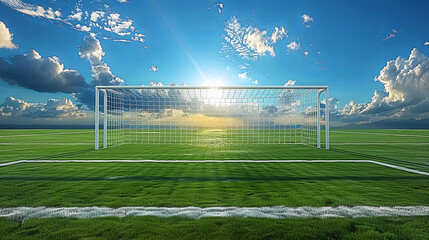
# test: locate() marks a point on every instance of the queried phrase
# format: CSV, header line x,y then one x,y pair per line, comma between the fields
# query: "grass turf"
x,y
214,184
216,228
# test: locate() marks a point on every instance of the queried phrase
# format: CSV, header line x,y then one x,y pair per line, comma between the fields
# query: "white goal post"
x,y
202,115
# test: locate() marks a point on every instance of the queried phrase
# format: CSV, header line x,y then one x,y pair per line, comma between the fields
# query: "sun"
x,y
213,83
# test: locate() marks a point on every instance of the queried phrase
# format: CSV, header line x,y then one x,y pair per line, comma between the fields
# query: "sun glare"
x,y
213,83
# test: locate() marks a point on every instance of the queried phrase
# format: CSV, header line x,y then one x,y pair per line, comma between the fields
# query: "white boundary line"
x,y
221,161
387,134
46,143
39,134
381,143
279,212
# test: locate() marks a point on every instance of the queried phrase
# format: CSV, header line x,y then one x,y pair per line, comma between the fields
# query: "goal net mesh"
x,y
210,116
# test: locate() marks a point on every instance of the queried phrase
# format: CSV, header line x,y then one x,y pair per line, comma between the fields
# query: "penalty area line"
x,y
221,161
279,212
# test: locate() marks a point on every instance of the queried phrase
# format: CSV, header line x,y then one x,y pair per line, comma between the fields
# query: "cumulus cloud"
x,y
118,25
243,76
57,108
257,41
390,35
123,1
278,34
290,82
249,42
426,43
307,20
102,21
53,108
34,72
13,107
153,68
405,94
76,15
92,50
83,28
294,46
96,15
219,7
306,53
333,105
6,37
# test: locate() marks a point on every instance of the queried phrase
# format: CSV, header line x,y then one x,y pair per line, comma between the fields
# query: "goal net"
x,y
210,116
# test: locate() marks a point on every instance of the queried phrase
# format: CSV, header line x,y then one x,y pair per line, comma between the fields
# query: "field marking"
x,y
40,134
386,143
278,212
221,161
387,134
46,143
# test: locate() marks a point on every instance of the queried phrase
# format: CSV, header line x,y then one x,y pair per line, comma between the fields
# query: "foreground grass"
x,y
216,228
209,184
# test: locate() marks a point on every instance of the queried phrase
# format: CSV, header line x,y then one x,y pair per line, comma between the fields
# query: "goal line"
x,y
221,161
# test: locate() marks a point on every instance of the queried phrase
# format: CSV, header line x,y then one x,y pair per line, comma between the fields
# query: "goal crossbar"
x,y
211,115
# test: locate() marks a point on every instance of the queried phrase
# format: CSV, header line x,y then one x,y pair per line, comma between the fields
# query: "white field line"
x,y
221,161
379,143
24,213
387,134
40,134
46,143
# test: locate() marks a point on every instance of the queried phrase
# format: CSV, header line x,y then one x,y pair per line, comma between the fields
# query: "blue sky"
x,y
347,44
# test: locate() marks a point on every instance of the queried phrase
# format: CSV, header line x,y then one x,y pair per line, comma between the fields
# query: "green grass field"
x,y
214,184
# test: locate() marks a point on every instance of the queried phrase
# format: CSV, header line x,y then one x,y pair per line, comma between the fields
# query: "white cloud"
x,y
138,37
306,53
249,42
390,35
278,34
333,105
294,46
123,1
307,19
13,106
92,50
406,87
53,108
353,108
219,7
243,76
110,22
76,15
290,82
153,68
6,37
96,15
426,43
83,28
406,80
118,25
255,82
257,41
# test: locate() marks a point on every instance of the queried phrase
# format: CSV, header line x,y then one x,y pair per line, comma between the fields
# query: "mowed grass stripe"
x,y
210,184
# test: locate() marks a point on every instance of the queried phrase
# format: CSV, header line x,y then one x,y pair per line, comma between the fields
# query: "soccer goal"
x,y
221,115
